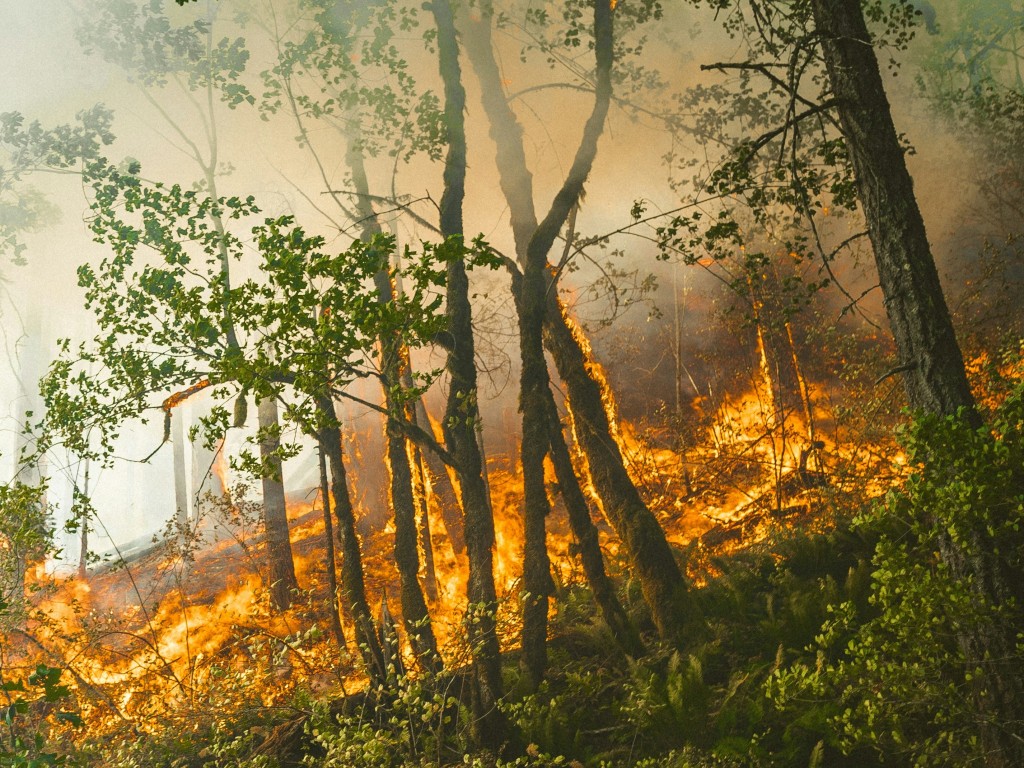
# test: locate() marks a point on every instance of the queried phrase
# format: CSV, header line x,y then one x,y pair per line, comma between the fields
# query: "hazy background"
x,y
47,77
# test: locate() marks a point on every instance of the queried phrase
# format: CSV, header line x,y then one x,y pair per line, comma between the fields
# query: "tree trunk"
x,y
83,539
490,727
534,385
415,616
393,357
331,559
650,557
419,488
929,356
181,500
275,515
353,588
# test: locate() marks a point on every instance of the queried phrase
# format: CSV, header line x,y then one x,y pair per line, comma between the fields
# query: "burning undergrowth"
x,y
186,632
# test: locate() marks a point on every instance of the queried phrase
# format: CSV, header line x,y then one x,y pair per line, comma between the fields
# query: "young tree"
x,y
154,52
462,412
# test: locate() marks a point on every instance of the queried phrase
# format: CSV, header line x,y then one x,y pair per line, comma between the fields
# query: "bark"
x,y
490,727
650,556
587,540
929,356
353,587
393,358
275,516
331,559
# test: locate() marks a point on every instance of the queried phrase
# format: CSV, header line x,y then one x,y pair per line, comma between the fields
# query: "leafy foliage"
x,y
895,671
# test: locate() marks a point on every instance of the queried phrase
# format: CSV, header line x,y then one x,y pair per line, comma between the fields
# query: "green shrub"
x,y
892,676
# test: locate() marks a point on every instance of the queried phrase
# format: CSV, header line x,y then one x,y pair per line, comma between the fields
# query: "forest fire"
x,y
430,384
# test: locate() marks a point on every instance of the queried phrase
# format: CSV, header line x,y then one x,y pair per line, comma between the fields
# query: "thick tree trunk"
x,y
929,357
490,727
275,515
664,588
353,588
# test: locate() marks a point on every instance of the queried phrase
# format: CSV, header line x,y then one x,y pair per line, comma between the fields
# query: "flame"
x,y
167,634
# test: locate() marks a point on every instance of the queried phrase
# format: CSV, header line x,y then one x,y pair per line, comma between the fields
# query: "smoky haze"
x,y
665,319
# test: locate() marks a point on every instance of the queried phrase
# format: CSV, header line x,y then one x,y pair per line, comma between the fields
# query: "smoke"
x,y
661,328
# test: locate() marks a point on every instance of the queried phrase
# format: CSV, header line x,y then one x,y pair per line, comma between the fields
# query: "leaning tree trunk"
x,y
490,727
929,356
353,587
665,590
650,557
275,515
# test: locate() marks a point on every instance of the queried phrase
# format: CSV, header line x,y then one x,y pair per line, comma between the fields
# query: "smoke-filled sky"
x,y
48,77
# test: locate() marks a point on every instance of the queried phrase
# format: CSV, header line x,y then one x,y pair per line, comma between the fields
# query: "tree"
x,y
153,52
930,360
462,412
847,123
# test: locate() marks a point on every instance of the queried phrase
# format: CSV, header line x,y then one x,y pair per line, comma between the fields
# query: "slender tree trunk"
x,y
414,608
537,583
419,488
83,540
275,514
583,528
332,573
353,587
929,356
181,501
415,616
490,727
534,384
650,556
